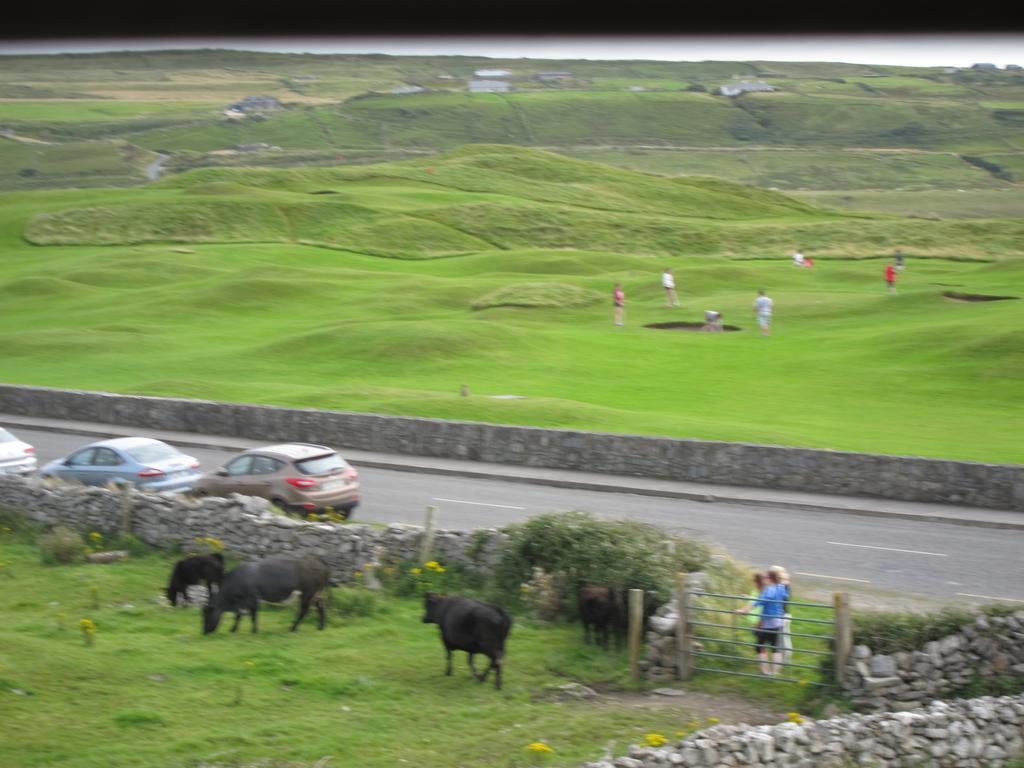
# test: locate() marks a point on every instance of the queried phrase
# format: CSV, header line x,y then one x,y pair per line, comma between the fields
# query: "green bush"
x,y
893,632
61,545
354,602
579,549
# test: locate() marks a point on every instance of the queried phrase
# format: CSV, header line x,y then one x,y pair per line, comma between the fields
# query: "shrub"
x,y
354,602
893,632
61,545
577,548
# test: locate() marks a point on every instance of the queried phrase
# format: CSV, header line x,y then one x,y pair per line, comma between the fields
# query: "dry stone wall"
x,y
998,486
246,525
969,733
990,646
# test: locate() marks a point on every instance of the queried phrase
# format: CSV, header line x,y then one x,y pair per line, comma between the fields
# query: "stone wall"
x,y
991,645
969,733
245,524
997,486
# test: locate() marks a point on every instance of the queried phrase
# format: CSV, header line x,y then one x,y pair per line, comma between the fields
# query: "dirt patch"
x,y
685,326
694,705
976,296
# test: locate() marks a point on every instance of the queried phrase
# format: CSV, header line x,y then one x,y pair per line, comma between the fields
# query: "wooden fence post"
x,y
636,622
844,633
684,655
427,547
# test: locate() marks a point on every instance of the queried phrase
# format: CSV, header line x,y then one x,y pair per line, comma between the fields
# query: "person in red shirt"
x,y
619,298
890,277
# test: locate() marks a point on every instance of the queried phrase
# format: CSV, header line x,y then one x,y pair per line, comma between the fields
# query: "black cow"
x,y
471,626
601,612
605,611
273,579
193,570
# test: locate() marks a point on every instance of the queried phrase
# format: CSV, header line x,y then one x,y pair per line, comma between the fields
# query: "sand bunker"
x,y
684,326
976,296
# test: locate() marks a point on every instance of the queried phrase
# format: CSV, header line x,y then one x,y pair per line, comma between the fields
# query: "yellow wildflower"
x,y
96,537
713,721
540,747
654,739
416,571
796,717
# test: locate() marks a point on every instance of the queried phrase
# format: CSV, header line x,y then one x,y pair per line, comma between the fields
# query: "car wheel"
x,y
346,512
282,505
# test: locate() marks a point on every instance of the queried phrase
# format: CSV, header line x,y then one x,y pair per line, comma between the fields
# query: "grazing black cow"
x,y
273,579
601,611
605,611
193,570
471,626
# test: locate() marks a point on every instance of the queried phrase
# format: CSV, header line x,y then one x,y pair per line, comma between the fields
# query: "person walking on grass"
x,y
619,300
763,310
899,260
668,282
890,277
771,603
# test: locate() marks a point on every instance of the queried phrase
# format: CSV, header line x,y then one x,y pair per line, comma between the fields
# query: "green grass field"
x,y
369,690
255,286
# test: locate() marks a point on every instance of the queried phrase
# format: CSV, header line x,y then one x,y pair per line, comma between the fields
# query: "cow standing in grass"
x,y
193,570
601,612
273,579
471,626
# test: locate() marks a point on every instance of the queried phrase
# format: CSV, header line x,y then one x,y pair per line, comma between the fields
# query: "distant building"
x,y
984,66
255,104
492,73
548,76
404,89
735,89
1013,67
489,86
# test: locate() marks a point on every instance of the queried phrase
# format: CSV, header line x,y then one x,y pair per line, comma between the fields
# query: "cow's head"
x,y
211,618
430,604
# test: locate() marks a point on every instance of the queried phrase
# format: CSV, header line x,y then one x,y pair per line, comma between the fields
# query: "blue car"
x,y
142,461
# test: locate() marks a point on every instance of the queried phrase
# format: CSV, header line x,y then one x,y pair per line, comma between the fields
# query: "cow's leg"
x,y
303,610
238,618
497,664
586,633
320,611
448,669
252,614
472,668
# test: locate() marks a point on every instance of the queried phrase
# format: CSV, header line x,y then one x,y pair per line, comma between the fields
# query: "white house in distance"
x,y
492,73
735,89
489,86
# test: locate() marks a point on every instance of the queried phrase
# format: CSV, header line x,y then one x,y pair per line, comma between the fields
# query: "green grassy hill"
x,y
269,286
341,110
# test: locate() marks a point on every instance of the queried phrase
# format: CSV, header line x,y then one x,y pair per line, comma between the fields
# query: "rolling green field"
x,y
341,107
353,289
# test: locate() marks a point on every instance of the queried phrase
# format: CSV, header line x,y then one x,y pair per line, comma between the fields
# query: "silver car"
x,y
16,457
141,461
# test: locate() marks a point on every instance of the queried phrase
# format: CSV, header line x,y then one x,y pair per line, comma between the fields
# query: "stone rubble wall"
x,y
997,486
990,646
245,524
965,733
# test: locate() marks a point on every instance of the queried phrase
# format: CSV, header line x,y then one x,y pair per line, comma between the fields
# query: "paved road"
x,y
867,555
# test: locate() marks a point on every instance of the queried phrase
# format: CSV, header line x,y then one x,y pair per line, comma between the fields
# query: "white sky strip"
x,y
477,503
887,549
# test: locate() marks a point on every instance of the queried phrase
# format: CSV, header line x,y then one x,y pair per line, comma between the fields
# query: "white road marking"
x,y
839,578
989,597
477,503
887,549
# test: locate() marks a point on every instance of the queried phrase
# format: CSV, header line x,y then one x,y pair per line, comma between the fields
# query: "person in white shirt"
x,y
763,309
669,284
798,259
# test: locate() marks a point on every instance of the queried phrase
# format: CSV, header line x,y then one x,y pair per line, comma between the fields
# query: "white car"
x,y
16,457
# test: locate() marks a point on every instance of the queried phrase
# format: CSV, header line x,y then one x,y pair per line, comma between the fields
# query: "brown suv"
x,y
295,476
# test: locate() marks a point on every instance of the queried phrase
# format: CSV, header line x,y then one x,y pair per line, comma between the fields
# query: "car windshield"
x,y
321,465
5,436
150,452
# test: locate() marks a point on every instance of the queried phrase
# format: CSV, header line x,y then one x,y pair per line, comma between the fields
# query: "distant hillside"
x,y
492,197
967,127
